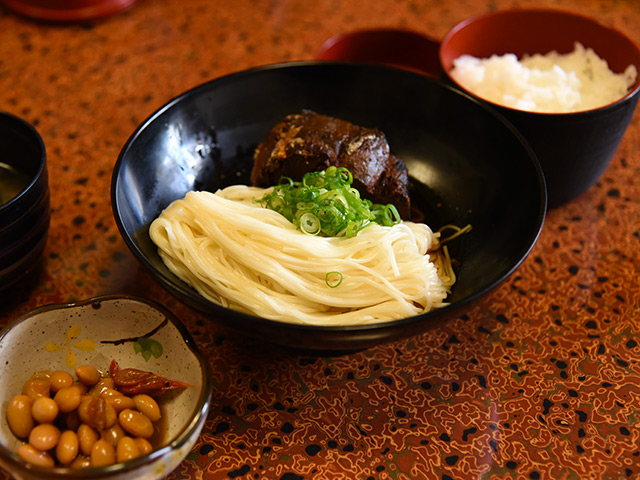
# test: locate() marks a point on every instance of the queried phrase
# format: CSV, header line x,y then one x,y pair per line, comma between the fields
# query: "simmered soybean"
x,y
147,405
127,449
87,436
19,416
68,398
88,374
60,379
136,423
44,437
102,454
80,424
34,456
68,447
45,410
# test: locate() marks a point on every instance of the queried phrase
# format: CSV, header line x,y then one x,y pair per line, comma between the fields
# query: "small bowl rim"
x,y
204,399
537,10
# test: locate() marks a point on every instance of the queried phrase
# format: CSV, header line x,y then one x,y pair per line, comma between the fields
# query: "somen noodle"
x,y
252,259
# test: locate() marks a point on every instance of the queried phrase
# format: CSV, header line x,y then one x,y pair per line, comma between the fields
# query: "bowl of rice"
x,y
567,82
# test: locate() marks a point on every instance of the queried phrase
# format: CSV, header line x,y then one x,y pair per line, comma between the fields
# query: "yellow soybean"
x,y
19,415
127,449
60,379
102,454
68,447
87,436
68,398
88,374
147,405
44,410
44,436
34,456
136,423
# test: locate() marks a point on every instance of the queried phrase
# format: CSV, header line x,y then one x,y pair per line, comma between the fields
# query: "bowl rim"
x,y
366,38
629,96
200,414
168,285
31,130
70,11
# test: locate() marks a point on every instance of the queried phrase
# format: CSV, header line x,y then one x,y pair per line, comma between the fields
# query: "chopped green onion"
x,y
324,203
333,279
309,223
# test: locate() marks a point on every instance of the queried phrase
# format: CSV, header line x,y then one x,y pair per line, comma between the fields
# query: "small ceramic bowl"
x,y
95,332
24,198
575,148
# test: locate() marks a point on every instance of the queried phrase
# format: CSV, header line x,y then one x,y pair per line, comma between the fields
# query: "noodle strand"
x,y
252,259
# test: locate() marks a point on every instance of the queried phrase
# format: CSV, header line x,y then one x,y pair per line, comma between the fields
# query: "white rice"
x,y
552,83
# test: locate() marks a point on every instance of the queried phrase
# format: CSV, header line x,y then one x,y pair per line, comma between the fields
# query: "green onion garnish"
x,y
325,204
333,279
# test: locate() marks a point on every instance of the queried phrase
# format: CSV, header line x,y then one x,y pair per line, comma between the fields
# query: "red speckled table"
x,y
540,379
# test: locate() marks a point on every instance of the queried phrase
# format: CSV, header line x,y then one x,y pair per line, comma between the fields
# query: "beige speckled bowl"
x,y
95,331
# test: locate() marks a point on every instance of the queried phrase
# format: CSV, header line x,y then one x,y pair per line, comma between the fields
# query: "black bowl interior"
x,y
467,166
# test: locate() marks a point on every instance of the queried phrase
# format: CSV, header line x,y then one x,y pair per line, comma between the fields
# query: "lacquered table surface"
x,y
540,379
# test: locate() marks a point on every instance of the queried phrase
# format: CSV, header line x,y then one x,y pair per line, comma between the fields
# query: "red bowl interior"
x,y
530,31
395,47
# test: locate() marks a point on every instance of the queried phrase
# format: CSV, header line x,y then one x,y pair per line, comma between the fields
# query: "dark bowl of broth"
x,y
24,198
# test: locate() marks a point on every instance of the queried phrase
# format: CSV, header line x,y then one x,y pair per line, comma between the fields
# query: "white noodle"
x,y
252,259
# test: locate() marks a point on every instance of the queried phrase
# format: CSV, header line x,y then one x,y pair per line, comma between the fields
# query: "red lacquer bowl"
x,y
400,48
67,10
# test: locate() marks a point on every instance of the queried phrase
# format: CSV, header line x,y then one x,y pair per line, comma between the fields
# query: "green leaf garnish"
x,y
324,203
148,347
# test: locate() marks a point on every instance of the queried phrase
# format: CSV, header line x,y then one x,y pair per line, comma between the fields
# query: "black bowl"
x,y
24,212
467,166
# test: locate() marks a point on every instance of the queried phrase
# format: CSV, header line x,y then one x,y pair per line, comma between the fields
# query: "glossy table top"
x,y
540,379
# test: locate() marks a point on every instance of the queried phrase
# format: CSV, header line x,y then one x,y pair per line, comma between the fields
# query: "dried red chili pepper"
x,y
132,381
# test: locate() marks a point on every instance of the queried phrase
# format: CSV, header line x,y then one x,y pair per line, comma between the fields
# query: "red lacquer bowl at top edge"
x,y
400,48
67,10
